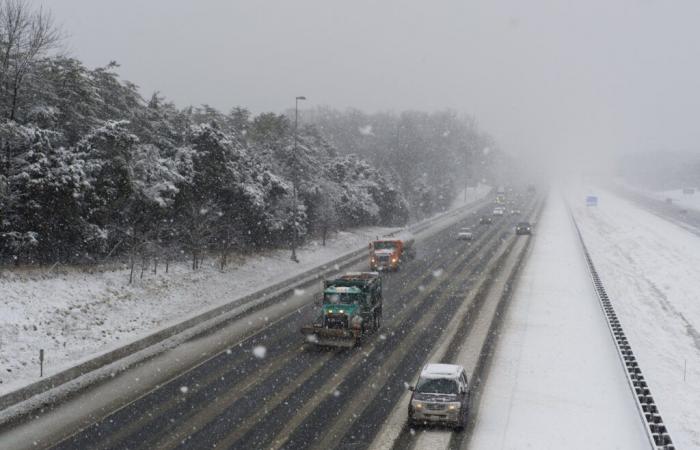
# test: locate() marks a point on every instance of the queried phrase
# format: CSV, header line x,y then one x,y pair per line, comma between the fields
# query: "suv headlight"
x,y
418,405
454,406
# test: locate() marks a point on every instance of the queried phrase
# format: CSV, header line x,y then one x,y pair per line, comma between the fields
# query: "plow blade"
x,y
330,337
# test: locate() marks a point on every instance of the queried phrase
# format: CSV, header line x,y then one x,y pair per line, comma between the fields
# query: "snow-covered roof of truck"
x,y
441,371
343,290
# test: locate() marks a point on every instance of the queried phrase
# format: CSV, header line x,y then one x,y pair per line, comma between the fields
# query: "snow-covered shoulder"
x,y
651,270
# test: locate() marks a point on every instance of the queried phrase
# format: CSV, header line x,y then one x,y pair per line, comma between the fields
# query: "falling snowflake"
x,y
366,130
382,337
260,351
299,291
437,273
336,393
421,288
312,338
184,389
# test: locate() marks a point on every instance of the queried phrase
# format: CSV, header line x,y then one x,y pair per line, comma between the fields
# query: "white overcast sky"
x,y
585,76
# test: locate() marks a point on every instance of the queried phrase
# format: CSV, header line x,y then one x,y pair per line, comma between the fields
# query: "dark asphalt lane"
x,y
238,400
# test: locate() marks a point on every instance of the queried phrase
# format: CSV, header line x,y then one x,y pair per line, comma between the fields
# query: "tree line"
x,y
91,170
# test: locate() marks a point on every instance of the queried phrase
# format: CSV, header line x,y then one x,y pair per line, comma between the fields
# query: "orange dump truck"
x,y
389,254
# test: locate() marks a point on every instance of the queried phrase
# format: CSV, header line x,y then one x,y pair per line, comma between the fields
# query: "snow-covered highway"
x,y
556,381
651,269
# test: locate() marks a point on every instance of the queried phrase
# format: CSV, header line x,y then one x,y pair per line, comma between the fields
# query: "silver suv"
x,y
441,396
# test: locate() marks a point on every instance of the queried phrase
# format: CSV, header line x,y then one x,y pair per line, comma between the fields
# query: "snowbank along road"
x,y
268,390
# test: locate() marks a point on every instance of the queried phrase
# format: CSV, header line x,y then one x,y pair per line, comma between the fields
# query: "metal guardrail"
x,y
657,433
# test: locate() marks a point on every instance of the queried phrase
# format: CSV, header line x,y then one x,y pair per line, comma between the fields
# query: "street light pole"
x,y
295,176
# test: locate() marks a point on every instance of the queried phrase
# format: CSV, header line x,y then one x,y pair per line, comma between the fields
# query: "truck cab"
x,y
389,254
351,308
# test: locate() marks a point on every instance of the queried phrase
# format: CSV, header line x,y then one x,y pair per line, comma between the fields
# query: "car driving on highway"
x,y
441,396
485,220
465,234
523,228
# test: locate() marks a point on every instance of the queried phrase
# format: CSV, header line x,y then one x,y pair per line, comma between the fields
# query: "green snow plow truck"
x,y
351,309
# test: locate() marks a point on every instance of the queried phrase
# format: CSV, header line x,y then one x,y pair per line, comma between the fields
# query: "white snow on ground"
x,y
75,315
687,201
556,381
651,270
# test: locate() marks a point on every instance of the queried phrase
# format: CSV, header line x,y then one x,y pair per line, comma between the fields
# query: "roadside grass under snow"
x,y
75,315
651,270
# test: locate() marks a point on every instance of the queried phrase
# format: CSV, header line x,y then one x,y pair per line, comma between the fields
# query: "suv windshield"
x,y
436,386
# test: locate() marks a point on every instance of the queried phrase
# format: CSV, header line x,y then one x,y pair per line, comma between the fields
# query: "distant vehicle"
x,y
591,200
523,228
441,396
485,220
351,308
515,212
688,191
389,254
499,211
465,234
501,195
531,188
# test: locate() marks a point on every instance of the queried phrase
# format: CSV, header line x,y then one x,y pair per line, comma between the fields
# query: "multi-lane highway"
x,y
272,390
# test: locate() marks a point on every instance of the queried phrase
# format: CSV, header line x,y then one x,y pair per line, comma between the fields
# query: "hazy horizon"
x,y
549,81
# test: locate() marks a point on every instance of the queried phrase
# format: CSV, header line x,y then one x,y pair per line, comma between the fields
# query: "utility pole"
x,y
295,177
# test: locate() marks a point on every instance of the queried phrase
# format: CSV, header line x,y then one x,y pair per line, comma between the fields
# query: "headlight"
x,y
393,259
453,407
341,311
417,405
